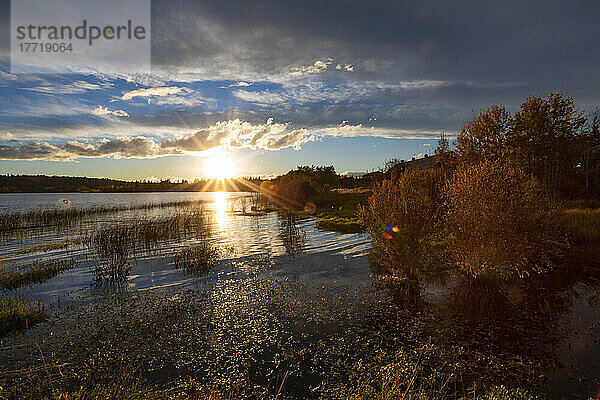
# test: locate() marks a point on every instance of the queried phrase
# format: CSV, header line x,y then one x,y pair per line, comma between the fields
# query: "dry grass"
x,y
582,226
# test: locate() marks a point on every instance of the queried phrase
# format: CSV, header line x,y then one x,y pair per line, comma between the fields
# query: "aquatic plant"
x,y
340,224
114,244
59,218
198,258
45,247
13,276
19,313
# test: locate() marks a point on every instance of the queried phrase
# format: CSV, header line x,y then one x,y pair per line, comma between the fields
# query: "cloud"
x,y
155,91
238,84
33,151
345,67
102,111
7,137
237,133
318,67
233,133
76,87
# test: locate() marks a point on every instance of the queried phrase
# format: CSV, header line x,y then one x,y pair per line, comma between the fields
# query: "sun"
x,y
220,167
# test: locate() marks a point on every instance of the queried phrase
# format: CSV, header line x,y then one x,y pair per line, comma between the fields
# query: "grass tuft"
x,y
340,224
18,313
197,259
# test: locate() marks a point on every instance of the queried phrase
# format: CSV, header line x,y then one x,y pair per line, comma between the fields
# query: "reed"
x,y
10,222
14,276
116,244
197,259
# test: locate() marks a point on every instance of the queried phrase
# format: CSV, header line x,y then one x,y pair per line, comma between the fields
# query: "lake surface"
x,y
281,295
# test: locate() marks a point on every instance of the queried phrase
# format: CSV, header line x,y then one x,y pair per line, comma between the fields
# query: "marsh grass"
x,y
18,313
45,247
12,222
582,226
197,259
14,276
116,244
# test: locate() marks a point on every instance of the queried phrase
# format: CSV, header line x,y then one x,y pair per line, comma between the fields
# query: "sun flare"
x,y
220,167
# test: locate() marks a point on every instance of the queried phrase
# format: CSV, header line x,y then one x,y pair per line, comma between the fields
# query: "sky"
x,y
266,85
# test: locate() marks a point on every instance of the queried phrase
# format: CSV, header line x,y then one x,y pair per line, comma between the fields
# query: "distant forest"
x,y
316,176
65,184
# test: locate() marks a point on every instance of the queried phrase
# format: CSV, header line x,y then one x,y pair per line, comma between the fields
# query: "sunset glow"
x,y
220,167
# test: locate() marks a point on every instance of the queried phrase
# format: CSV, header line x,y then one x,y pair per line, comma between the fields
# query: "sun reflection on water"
x,y
220,201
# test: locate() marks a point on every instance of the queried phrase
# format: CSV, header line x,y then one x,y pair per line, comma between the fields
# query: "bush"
x,y
402,216
497,220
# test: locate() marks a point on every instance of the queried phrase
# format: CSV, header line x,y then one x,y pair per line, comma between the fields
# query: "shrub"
x,y
497,219
402,216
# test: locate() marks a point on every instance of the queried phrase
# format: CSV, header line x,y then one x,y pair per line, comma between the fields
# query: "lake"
x,y
285,302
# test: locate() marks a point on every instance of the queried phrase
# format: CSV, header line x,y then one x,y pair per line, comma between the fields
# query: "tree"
x,y
543,138
591,155
484,135
443,154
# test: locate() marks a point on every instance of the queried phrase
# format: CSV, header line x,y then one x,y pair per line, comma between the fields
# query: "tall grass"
x,y
15,276
116,244
197,259
10,222
18,313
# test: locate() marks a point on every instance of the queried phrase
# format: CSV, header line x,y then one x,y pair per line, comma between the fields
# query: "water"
x,y
291,301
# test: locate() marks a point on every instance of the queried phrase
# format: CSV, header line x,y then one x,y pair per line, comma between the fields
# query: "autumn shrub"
x,y
402,216
498,221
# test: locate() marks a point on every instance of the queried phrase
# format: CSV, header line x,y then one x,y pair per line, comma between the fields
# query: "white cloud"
x,y
6,137
102,111
345,67
318,67
155,91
